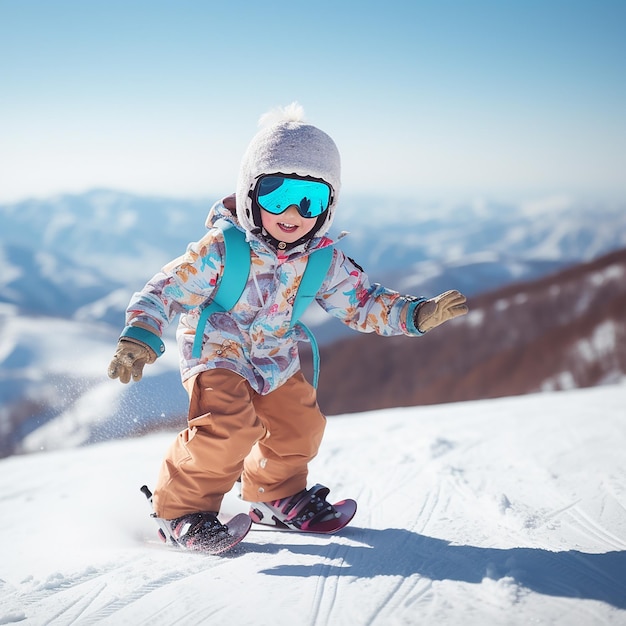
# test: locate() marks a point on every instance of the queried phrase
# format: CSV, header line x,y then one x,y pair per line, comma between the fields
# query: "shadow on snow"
x,y
397,552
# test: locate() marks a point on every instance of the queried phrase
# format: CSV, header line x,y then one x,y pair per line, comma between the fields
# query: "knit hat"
x,y
287,145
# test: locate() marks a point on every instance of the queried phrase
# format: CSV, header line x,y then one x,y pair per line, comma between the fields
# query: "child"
x,y
252,414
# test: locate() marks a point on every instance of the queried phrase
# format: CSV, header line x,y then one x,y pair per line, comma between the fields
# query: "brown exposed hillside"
x,y
566,330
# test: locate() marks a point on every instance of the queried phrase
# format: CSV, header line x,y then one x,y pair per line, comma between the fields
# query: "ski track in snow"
x,y
509,511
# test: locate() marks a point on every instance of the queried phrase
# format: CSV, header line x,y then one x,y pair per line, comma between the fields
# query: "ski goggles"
x,y
276,193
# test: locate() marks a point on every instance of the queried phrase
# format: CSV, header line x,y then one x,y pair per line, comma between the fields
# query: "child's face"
x,y
289,226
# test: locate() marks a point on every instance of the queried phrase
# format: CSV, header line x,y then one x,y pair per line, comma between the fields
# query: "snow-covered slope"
x,y
509,511
55,391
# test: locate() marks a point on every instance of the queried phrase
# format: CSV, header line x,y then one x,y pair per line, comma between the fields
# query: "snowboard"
x,y
345,508
238,527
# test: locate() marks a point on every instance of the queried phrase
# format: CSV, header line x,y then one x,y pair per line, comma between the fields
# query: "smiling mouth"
x,y
287,228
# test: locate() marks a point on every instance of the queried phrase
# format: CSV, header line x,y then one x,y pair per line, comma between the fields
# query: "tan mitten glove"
x,y
129,359
440,309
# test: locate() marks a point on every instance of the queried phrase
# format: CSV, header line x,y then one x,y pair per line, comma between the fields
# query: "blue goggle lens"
x,y
276,194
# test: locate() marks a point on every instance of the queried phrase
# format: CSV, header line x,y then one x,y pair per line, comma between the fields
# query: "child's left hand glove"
x,y
440,309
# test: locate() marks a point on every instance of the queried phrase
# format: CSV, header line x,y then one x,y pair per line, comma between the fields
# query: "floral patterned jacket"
x,y
255,338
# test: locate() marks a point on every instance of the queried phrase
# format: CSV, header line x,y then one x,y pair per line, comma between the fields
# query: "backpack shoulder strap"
x,y
232,281
235,276
236,266
315,272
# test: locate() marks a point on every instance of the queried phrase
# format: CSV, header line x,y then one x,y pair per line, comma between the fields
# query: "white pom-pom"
x,y
293,112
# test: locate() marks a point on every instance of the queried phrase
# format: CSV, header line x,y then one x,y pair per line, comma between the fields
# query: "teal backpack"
x,y
235,276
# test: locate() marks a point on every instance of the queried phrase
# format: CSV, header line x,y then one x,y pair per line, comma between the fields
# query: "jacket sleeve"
x,y
182,285
367,307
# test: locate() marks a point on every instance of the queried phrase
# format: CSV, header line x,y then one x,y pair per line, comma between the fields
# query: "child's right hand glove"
x,y
129,359
440,309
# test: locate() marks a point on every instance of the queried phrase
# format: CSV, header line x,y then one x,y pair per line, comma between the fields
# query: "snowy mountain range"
x,y
77,250
70,264
562,331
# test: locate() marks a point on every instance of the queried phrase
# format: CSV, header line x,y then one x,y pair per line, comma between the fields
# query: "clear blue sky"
x,y
162,97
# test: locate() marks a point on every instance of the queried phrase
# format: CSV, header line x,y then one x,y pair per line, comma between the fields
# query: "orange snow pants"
x,y
233,431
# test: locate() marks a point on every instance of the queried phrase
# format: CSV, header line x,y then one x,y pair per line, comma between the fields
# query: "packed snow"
x,y
507,511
